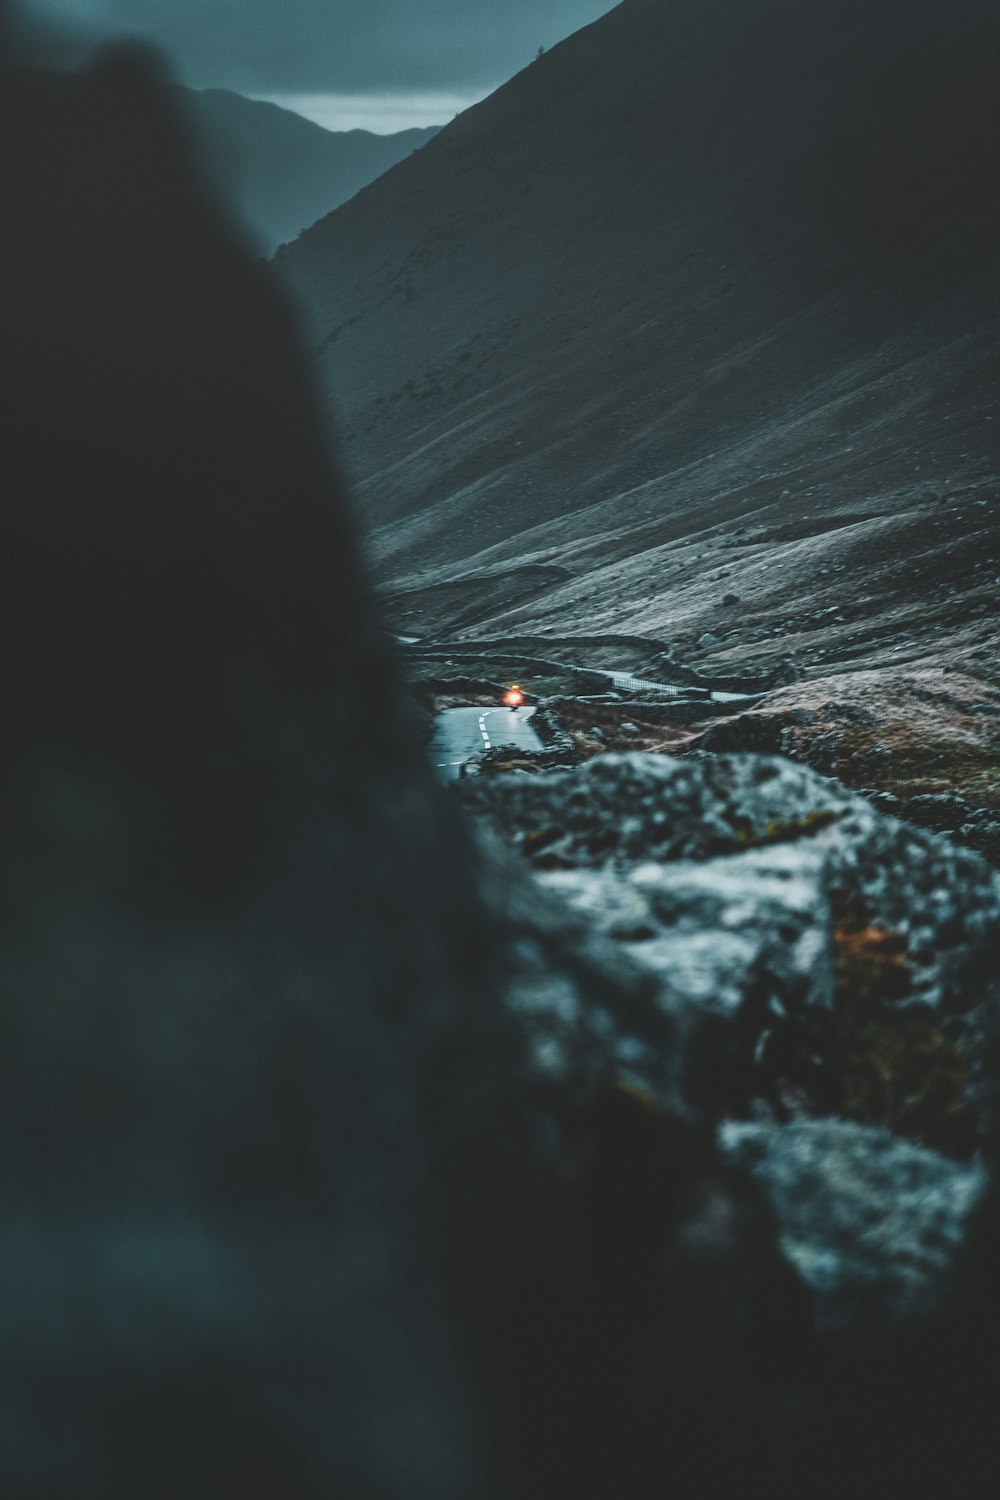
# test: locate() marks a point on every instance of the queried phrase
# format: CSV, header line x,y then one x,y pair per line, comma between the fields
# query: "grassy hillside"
x,y
702,304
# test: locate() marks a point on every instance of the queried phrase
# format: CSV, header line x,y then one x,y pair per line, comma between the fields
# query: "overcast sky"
x,y
422,54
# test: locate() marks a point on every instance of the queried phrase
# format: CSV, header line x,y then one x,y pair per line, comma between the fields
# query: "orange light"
x,y
513,697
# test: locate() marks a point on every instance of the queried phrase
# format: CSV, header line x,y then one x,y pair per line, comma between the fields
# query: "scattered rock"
x,y
788,671
886,802
873,1224
877,760
913,734
938,810
810,952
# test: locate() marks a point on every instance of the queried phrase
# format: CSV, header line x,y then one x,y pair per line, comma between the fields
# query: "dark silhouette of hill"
x,y
706,293
282,172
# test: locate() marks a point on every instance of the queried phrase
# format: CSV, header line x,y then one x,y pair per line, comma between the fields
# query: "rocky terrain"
x,y
817,983
923,745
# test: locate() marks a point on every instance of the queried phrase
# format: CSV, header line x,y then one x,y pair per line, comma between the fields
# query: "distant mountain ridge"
x,y
282,171
700,278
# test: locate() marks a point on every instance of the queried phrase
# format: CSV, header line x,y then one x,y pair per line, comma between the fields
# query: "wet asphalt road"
x,y
461,732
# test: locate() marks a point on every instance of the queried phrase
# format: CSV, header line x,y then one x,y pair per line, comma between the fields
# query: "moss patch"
x,y
901,1068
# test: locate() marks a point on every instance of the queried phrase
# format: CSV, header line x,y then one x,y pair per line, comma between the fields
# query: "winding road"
x,y
460,733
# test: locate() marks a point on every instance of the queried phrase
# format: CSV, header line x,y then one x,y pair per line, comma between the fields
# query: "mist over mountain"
x,y
701,306
281,171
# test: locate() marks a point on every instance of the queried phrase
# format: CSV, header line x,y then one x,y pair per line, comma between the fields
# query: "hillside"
x,y
284,172
691,327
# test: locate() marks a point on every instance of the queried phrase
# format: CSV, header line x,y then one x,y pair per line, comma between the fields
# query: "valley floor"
x,y
921,741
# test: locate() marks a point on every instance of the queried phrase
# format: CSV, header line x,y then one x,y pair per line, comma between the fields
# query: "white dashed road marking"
x,y
454,732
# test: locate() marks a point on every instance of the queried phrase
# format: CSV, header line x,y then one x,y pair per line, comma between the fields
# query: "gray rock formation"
x,y
804,954
874,1224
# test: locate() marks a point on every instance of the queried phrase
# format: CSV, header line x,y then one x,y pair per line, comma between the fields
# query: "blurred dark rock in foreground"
x,y
339,1156
238,945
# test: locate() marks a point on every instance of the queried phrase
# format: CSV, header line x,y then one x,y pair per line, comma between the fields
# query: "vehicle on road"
x,y
513,697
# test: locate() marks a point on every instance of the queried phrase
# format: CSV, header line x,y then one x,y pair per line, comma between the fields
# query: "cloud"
x,y
381,113
336,45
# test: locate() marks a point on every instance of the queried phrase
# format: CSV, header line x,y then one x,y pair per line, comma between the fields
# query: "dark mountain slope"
x,y
703,278
284,172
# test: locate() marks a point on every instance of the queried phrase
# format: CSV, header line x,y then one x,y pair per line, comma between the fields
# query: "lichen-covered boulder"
x,y
783,962
808,951
927,738
874,1224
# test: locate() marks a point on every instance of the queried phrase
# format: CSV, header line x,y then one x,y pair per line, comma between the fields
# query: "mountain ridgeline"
x,y
704,293
282,172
